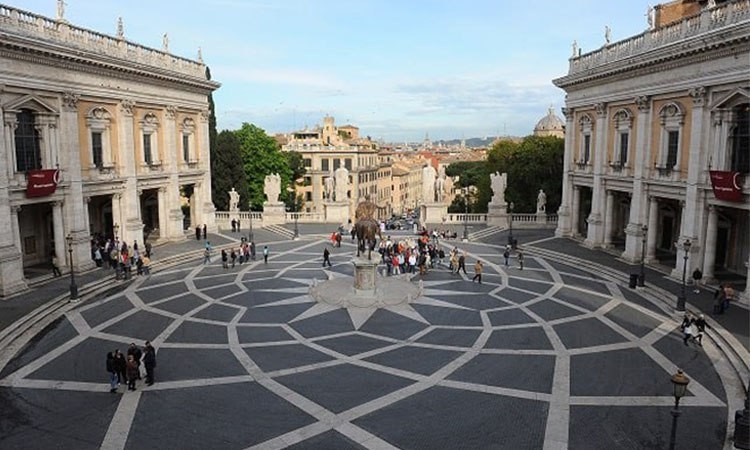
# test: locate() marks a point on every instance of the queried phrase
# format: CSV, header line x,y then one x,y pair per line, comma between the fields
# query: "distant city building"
x,y
648,121
101,136
550,125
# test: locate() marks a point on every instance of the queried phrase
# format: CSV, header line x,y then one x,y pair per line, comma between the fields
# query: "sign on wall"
x,y
41,183
726,185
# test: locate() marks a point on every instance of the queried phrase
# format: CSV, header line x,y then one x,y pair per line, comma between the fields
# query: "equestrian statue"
x,y
366,227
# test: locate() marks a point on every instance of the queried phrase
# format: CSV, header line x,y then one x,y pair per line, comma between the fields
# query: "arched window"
x,y
740,139
28,149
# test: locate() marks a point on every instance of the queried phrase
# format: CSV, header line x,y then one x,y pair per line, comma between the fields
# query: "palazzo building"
x,y
100,136
648,120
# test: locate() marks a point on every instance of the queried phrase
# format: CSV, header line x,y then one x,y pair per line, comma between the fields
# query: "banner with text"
x,y
726,185
41,183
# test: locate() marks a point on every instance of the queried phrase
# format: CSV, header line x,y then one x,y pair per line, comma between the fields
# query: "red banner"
x,y
40,183
726,185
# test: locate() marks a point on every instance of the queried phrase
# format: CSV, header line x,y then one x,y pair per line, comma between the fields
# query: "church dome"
x,y
550,125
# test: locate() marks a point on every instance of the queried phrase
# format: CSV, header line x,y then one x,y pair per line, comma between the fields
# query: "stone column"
x,y
163,212
131,226
639,199
58,230
608,219
206,205
595,235
575,213
87,215
117,213
73,206
565,225
709,258
746,293
653,224
9,129
15,228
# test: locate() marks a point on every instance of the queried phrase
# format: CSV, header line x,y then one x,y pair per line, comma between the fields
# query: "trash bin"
x,y
633,280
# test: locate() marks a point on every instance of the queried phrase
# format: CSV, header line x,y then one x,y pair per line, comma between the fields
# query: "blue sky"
x,y
396,69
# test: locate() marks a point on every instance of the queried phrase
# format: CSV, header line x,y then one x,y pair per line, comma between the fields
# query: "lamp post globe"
x,y
73,285
679,383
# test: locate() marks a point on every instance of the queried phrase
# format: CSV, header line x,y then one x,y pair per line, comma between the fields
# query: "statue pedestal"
x,y
364,276
541,217
274,213
497,215
432,213
336,212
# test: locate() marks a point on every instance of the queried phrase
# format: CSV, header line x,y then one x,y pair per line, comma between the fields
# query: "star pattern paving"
x,y
545,357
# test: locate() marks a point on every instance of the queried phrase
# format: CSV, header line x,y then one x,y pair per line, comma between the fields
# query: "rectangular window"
x,y
624,138
586,148
28,149
348,163
186,147
336,163
307,162
96,148
147,149
308,196
324,165
673,140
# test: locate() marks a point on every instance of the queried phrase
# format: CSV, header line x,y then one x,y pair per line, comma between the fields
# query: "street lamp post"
x,y
642,279
510,223
466,214
250,234
73,285
683,296
680,382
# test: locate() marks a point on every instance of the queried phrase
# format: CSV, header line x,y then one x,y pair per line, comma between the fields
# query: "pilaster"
x,y
564,214
595,235
709,257
131,226
608,219
639,199
207,206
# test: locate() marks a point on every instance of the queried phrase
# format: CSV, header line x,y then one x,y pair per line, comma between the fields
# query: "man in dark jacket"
x,y
111,371
136,352
149,362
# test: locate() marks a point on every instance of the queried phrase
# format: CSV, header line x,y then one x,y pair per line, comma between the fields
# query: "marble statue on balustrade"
x,y
541,202
328,185
441,184
428,184
341,183
498,183
272,187
234,201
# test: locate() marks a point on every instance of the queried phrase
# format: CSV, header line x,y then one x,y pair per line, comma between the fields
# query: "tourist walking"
x,y
252,250
112,372
688,329
265,254
149,362
326,257
462,263
55,266
697,276
224,259
520,259
233,257
701,325
477,272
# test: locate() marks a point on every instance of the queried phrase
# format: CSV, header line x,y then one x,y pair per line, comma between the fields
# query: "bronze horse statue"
x,y
366,231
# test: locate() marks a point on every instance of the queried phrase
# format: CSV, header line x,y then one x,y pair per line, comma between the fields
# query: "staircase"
x,y
278,229
485,232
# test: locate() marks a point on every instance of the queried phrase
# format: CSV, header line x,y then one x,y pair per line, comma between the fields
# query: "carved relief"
x,y
601,109
70,101
567,112
170,111
624,118
126,106
698,95
672,112
643,102
205,114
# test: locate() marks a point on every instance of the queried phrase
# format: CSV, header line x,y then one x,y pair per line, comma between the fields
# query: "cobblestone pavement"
x,y
548,357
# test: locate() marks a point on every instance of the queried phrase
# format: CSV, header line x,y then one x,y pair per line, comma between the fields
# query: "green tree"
x,y
227,172
216,198
261,156
532,164
296,164
471,173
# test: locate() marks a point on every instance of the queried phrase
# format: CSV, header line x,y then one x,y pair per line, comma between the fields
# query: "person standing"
x,y
135,352
205,231
265,254
120,365
520,259
252,250
477,272
148,249
462,263
234,226
326,257
55,266
132,372
149,362
198,233
233,257
112,372
697,276
506,255
224,259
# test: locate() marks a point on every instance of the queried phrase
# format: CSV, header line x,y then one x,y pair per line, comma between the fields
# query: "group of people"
x,y
126,369
230,257
410,255
236,226
118,256
693,329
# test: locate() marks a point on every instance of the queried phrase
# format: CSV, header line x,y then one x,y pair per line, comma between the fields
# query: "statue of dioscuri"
x,y
272,187
541,202
498,182
341,176
440,185
328,184
234,200
428,184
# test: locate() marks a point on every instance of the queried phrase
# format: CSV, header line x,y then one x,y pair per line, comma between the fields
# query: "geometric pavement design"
x,y
545,357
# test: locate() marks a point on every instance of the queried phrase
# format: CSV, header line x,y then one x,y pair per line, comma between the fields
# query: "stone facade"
x,y
646,119
125,125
